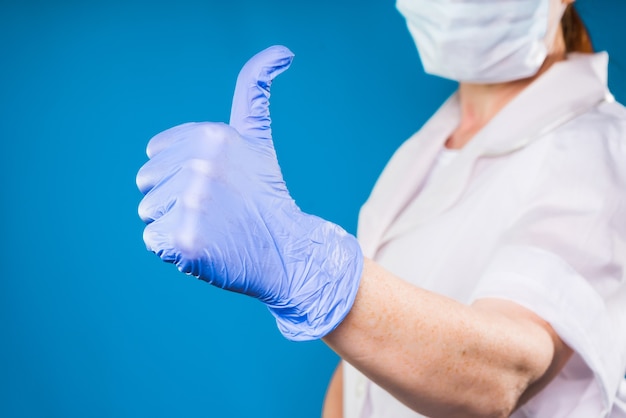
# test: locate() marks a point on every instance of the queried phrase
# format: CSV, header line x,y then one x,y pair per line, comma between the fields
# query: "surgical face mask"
x,y
482,41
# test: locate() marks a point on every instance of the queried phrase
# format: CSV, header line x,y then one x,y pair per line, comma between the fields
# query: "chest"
x,y
448,252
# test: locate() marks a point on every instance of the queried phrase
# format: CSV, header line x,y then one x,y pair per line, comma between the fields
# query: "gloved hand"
x,y
216,206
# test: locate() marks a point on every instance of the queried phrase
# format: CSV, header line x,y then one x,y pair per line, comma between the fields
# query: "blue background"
x,y
94,325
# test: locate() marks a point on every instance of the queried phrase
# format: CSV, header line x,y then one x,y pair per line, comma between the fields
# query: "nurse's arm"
x,y
442,358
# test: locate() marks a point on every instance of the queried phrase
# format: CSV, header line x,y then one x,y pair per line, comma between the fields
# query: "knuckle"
x,y
212,130
188,245
200,166
216,131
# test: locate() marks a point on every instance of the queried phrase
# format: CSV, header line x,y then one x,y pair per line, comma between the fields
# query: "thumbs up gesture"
x,y
216,206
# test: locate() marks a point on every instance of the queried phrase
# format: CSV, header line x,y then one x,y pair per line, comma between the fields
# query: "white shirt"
x,y
532,210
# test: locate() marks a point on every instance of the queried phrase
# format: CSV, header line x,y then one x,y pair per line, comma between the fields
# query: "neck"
x,y
481,102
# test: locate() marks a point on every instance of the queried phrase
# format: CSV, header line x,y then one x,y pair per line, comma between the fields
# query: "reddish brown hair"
x,y
576,36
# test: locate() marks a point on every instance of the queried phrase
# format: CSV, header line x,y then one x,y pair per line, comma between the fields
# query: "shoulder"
x,y
579,167
592,144
600,127
606,120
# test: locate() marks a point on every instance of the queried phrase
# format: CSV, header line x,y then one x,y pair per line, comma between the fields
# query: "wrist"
x,y
323,285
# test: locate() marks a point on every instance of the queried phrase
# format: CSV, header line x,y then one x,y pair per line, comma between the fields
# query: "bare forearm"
x,y
438,356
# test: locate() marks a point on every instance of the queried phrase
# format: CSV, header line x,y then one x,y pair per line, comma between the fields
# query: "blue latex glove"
x,y
217,206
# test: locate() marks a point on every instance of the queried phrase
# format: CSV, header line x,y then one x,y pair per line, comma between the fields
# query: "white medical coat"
x,y
532,210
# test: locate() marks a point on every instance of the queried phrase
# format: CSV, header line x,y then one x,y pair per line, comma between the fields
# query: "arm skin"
x,y
333,403
440,357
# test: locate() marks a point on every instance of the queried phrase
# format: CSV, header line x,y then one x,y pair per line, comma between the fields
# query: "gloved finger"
x,y
177,237
158,202
164,139
161,167
189,185
250,113
201,141
158,239
157,170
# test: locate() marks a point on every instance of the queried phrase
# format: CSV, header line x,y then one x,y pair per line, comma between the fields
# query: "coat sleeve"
x,y
564,258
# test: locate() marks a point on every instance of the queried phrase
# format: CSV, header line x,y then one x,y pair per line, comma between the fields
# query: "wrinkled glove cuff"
x,y
327,291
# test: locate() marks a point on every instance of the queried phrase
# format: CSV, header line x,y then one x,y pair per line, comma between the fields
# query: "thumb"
x,y
250,113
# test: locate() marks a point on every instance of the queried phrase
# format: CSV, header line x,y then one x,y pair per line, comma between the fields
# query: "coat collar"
x,y
404,175
568,89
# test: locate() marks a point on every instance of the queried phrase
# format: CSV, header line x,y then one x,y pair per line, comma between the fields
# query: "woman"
x,y
521,237
492,282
